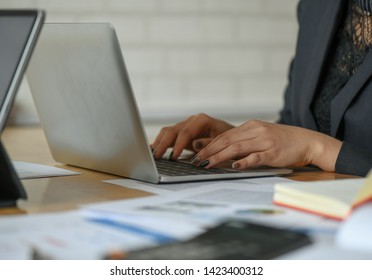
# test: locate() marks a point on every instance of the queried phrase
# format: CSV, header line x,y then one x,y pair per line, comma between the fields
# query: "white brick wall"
x,y
225,57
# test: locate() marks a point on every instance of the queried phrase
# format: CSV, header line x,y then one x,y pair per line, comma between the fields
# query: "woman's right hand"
x,y
194,134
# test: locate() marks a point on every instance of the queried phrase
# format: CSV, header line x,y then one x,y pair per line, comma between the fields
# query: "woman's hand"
x,y
258,143
193,133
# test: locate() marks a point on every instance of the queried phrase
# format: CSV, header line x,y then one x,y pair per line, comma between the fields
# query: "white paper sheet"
x,y
169,188
28,170
216,201
355,232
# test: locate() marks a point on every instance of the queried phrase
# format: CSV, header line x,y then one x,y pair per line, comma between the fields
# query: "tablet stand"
x,y
11,188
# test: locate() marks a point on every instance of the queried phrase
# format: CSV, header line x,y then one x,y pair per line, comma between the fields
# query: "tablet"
x,y
19,30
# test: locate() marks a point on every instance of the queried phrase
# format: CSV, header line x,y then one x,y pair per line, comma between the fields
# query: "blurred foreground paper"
x,y
356,231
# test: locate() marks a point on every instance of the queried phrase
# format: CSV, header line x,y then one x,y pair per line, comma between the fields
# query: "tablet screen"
x,y
17,32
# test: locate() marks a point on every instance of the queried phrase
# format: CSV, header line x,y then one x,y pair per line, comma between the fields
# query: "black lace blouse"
x,y
353,41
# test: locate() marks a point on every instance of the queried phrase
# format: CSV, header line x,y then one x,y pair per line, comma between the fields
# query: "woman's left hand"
x,y
258,143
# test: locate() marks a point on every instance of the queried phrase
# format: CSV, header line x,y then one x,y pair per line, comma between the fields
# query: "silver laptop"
x,y
86,105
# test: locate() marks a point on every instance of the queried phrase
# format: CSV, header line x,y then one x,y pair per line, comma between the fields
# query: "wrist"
x,y
324,152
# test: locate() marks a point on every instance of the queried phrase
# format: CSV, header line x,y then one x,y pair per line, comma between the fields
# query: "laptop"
x,y
19,30
82,93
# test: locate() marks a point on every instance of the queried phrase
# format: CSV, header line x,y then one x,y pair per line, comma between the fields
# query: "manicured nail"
x,y
204,163
195,160
235,165
170,156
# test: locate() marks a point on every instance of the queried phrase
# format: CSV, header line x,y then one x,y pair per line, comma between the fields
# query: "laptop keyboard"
x,y
178,168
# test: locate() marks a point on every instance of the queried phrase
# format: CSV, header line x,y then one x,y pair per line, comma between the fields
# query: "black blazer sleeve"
x,y
353,159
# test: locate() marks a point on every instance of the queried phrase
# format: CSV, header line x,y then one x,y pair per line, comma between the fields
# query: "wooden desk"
x,y
65,193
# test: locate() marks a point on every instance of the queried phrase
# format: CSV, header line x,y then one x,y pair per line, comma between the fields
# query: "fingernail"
x,y
195,160
170,156
154,153
204,163
235,165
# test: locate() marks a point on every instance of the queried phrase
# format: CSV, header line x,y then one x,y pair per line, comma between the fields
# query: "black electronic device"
x,y
19,30
11,188
232,240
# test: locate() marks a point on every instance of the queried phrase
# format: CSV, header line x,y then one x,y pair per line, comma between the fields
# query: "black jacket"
x,y
351,109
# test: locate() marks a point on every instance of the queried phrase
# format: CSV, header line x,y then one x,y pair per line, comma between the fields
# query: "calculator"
x,y
231,240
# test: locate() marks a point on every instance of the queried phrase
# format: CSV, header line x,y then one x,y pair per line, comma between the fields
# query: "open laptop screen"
x,y
18,30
